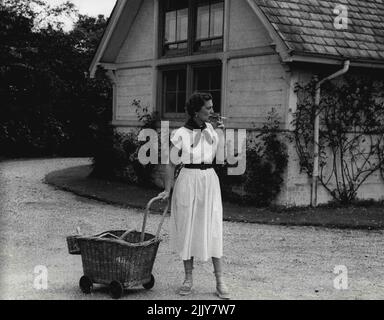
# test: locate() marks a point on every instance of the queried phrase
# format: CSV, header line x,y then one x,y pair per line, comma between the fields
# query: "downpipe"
x,y
315,173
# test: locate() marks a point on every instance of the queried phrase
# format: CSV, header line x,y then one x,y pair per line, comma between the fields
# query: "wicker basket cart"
x,y
118,258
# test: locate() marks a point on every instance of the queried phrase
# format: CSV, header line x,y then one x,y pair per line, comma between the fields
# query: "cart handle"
x,y
148,207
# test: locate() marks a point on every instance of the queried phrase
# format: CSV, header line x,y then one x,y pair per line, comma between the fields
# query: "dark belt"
x,y
201,166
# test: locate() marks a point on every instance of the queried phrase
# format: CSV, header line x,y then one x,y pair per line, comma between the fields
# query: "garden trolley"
x,y
117,258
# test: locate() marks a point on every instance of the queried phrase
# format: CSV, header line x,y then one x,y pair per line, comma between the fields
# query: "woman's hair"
x,y
196,101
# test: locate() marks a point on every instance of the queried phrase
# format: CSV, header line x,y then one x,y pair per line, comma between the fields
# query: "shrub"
x,y
116,154
22,138
267,159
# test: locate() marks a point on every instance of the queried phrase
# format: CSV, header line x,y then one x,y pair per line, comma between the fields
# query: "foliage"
x,y
116,157
40,13
148,119
44,87
351,138
266,161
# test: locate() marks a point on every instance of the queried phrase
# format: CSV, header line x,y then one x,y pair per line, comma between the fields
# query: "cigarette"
x,y
218,117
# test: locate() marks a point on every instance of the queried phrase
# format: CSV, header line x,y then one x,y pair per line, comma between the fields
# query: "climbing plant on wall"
x,y
351,145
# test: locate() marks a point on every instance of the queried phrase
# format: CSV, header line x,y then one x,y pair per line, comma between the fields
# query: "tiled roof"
x,y
307,27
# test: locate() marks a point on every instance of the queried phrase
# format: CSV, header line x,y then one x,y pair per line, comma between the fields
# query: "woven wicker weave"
x,y
120,259
128,260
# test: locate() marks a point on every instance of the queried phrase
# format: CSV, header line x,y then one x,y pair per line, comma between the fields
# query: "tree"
x,y
49,104
40,13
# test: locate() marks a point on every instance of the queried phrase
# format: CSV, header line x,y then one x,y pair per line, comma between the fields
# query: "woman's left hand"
x,y
220,125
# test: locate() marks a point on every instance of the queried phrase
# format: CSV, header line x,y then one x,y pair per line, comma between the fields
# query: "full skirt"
x,y
197,215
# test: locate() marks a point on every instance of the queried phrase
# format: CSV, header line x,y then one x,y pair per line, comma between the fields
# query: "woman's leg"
x,y
221,288
186,288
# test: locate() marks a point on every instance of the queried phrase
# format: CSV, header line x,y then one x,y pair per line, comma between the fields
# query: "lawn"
x,y
361,215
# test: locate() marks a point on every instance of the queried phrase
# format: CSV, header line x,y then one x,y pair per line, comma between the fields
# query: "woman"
x,y
196,207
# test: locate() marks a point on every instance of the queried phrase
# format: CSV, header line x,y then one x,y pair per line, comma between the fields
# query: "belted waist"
x,y
201,166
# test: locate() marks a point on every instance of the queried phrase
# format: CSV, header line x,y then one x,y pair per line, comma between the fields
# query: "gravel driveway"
x,y
262,262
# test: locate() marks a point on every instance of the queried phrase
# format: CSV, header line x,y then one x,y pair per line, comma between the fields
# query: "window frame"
x,y
190,74
191,41
162,70
212,48
209,64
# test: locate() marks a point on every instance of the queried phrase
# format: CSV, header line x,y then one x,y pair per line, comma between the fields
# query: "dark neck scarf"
x,y
192,125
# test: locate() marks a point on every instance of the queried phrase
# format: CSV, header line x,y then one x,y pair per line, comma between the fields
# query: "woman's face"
x,y
205,111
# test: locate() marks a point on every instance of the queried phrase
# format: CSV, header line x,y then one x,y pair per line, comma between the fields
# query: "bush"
x,y
21,138
116,158
116,154
267,159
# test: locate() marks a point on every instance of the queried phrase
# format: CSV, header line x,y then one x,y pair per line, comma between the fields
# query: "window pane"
x,y
171,78
202,31
170,27
208,79
175,90
217,17
182,45
170,102
217,42
216,78
182,85
202,80
206,43
171,47
181,99
182,25
216,98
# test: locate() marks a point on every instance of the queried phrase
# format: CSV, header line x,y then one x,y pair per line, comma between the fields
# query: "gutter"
x,y
335,60
315,174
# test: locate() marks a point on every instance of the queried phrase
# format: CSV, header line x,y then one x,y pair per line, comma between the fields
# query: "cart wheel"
x,y
150,284
116,289
85,284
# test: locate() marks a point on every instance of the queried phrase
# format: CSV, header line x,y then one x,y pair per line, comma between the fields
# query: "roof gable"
x,y
298,27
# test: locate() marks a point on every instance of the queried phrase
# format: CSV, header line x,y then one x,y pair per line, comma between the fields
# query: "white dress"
x,y
196,209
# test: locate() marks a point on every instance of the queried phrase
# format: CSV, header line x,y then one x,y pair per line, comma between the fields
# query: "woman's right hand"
x,y
164,195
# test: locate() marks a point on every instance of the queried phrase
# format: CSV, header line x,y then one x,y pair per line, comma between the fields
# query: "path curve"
x,y
262,262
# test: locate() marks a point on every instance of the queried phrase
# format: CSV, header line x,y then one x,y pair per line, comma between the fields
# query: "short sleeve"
x,y
177,138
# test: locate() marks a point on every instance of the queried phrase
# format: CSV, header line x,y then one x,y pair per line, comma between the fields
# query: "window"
x,y
210,24
190,26
179,82
174,90
208,79
176,25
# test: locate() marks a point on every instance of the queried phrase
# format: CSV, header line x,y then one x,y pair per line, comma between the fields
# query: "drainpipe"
x,y
315,174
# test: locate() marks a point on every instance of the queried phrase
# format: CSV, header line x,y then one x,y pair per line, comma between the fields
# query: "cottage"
x,y
248,54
